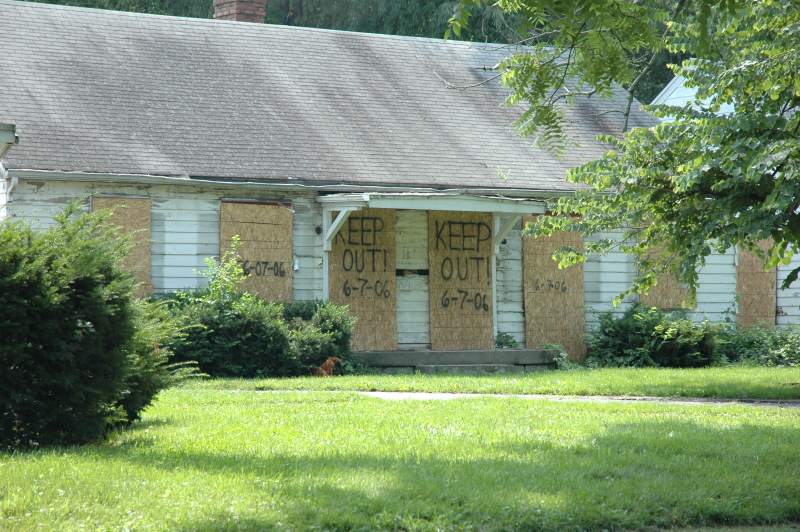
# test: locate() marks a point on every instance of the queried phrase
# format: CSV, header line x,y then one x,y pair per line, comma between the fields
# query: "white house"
x,y
372,170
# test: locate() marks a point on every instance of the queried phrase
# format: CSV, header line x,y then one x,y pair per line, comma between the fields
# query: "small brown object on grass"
x,y
327,367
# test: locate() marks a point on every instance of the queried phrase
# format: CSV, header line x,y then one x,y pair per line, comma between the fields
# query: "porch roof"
x,y
432,202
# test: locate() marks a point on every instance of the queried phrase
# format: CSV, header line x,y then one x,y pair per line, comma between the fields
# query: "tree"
x,y
700,183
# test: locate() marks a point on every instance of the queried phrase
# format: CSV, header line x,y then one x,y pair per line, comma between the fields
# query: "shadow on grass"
x,y
649,473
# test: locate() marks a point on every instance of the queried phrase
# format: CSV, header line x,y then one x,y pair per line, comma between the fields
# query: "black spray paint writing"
x,y
361,235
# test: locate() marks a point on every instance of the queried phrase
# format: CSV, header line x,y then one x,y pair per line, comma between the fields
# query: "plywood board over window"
x,y
554,298
756,289
459,260
133,216
362,275
668,293
265,233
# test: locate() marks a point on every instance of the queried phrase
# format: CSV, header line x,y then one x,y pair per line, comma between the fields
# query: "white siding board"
x,y
411,241
789,299
510,298
307,248
716,288
182,243
604,278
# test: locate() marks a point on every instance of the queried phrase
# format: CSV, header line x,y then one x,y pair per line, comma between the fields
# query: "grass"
x,y
737,382
206,459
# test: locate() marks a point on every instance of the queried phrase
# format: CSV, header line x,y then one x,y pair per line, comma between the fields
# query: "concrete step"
x,y
517,357
472,369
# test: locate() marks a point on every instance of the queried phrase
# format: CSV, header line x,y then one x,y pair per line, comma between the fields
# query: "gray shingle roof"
x,y
110,92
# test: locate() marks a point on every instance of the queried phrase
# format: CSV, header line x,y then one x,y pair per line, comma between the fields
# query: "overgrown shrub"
x,y
336,321
300,310
231,333
505,341
149,369
650,337
778,346
66,321
241,337
310,345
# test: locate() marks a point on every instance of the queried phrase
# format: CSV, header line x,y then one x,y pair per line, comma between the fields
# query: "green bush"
x,y
67,319
241,337
310,345
778,346
231,333
643,337
336,321
149,369
300,310
228,332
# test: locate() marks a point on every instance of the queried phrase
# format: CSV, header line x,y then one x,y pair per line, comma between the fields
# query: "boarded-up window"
x,y
362,275
132,215
265,233
554,299
459,259
756,289
668,293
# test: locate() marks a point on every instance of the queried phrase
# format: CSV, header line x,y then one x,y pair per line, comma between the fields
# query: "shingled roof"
x,y
109,92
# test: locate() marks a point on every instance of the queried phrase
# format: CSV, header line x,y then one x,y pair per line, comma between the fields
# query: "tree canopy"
x,y
704,180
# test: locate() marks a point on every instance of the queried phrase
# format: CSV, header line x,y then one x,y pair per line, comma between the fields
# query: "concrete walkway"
x,y
438,396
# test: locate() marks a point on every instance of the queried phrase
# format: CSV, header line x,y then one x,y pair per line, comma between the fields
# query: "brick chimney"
x,y
241,10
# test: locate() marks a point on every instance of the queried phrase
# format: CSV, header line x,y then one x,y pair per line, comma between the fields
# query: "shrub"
x,y
650,337
243,337
301,310
336,321
310,345
228,332
67,319
149,369
779,346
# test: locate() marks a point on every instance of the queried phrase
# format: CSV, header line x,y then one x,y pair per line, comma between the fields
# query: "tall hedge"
x,y
67,318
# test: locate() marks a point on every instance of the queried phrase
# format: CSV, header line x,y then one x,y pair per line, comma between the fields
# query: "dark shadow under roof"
x,y
110,92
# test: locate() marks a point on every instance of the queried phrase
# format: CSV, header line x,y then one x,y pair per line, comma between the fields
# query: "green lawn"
x,y
735,382
214,459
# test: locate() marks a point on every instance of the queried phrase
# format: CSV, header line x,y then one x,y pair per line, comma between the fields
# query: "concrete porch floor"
x,y
456,362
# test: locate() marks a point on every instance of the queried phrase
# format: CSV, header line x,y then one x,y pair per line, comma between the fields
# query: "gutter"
x,y
293,185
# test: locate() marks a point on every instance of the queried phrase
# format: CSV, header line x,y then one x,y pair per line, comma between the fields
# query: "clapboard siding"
x,y
510,300
185,226
604,278
716,289
413,324
188,242
307,248
789,299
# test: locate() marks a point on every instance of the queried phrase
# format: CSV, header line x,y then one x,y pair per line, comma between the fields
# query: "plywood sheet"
x,y
756,290
668,293
133,216
460,287
554,299
265,232
362,275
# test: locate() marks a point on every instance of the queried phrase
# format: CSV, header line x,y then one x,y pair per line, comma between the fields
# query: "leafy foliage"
x,y
706,180
67,320
149,369
779,346
240,336
231,333
336,321
505,341
644,337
